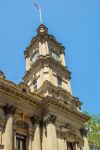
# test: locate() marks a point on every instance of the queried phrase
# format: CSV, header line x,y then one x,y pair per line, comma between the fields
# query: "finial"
x,y
42,29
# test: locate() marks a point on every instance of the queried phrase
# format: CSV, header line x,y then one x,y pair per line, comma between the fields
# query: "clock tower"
x,y
46,72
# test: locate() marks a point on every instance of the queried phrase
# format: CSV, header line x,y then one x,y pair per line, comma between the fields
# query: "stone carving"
x,y
50,119
9,109
68,126
22,124
35,120
83,132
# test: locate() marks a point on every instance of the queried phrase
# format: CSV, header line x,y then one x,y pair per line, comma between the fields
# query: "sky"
x,y
74,23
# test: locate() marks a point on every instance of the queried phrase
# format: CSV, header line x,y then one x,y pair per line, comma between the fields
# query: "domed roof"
x,y
2,74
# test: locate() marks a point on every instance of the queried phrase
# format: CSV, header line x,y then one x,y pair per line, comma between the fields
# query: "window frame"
x,y
34,56
21,141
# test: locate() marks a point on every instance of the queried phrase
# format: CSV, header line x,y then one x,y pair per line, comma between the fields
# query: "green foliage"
x,y
93,127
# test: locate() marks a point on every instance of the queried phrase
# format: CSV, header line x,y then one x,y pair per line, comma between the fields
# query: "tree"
x,y
93,135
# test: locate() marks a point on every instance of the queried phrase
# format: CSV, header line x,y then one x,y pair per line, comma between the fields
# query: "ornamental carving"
x,y
83,132
35,120
9,109
42,38
22,124
50,119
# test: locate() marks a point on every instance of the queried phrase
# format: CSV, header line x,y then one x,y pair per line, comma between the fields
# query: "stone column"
x,y
86,145
8,135
14,139
75,146
1,137
30,139
44,135
51,133
61,144
36,143
84,134
66,144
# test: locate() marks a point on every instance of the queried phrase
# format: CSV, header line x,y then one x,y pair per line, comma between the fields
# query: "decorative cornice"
x,y
9,109
50,101
42,36
48,60
14,90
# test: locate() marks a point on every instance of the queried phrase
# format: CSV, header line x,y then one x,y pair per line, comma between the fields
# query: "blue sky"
x,y
75,23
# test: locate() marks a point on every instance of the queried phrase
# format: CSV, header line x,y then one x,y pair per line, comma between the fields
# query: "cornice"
x,y
55,88
15,91
50,101
50,61
42,37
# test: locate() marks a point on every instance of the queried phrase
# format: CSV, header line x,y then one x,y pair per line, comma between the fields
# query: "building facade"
x,y
40,113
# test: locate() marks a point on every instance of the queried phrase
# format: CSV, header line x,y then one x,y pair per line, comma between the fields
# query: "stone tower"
x,y
45,65
41,113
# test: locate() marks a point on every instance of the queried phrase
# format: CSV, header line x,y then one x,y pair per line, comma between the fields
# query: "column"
x,y
78,146
51,132
74,146
61,144
30,139
36,143
8,136
84,134
1,140
44,135
66,144
15,139
86,145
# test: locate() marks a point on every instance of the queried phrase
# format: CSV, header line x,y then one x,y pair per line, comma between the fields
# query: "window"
x,y
20,142
35,84
34,57
54,55
59,81
69,146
